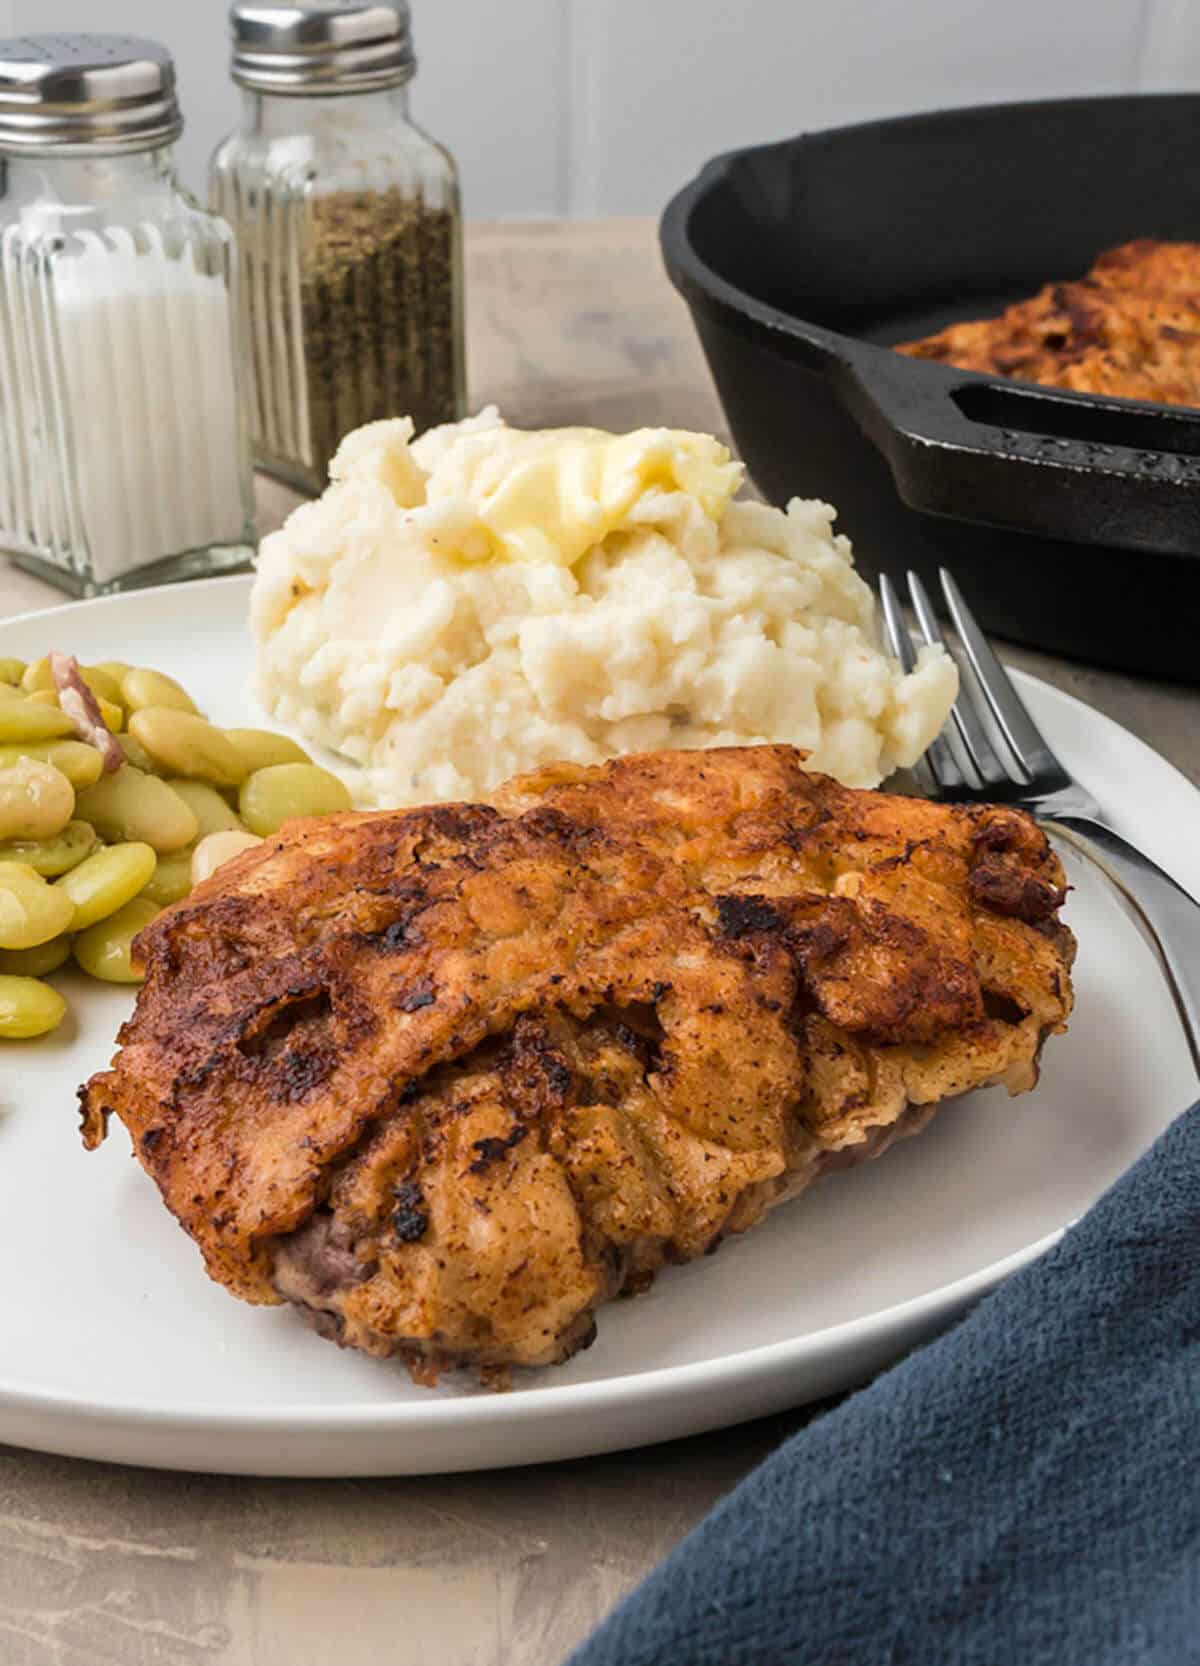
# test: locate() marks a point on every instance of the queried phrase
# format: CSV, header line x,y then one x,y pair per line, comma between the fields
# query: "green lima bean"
x,y
260,748
80,763
27,720
206,804
131,806
54,856
105,950
141,688
187,745
39,961
36,800
107,881
31,912
28,1008
172,877
283,792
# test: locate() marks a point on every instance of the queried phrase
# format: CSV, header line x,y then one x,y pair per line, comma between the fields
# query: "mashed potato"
x,y
484,600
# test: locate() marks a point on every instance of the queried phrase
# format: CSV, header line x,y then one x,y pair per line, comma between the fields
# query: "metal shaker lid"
x,y
59,91
324,46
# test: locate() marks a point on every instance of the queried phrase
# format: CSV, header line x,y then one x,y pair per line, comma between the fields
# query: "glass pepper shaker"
x,y
123,457
349,230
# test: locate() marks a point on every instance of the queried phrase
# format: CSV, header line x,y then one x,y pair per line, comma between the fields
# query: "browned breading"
x,y
1129,328
449,1078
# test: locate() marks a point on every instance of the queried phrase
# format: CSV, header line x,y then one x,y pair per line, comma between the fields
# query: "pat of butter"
x,y
553,495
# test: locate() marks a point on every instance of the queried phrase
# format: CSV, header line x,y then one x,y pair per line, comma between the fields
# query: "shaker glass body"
x,y
348,226
123,456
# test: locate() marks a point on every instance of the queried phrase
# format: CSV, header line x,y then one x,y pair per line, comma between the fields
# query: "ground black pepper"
x,y
380,315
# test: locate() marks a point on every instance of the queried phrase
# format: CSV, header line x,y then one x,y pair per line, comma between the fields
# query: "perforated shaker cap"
x,y
326,46
59,91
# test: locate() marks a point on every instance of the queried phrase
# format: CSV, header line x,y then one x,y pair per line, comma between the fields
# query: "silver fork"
x,y
1034,779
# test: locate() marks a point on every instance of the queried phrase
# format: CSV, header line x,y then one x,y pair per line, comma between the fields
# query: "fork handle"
x,y
1172,916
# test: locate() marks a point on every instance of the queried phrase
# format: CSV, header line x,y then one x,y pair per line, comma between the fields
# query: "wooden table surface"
x,y
99,1565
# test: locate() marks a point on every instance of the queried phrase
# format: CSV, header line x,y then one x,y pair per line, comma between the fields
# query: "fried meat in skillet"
x,y
1130,328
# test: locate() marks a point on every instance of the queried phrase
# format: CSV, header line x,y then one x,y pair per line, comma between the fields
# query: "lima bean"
x,y
105,950
36,800
209,808
107,881
81,764
187,745
131,806
171,879
112,712
260,748
37,675
141,688
136,754
102,683
217,849
31,912
116,669
29,1008
54,856
283,791
30,720
11,670
37,962
38,679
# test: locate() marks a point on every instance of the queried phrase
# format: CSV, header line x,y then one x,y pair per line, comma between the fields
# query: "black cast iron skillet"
x,y
1072,521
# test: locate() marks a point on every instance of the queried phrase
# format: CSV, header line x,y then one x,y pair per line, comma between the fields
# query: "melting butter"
x,y
552,495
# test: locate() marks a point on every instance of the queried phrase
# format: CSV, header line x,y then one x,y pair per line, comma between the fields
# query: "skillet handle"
x,y
1033,459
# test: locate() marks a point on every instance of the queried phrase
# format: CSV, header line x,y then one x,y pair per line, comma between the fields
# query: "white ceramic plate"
x,y
115,1345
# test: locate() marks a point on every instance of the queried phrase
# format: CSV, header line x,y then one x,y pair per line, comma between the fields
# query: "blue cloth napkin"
x,y
1025,1491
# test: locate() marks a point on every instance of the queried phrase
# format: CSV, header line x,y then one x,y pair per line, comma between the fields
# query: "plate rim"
x,y
521,1406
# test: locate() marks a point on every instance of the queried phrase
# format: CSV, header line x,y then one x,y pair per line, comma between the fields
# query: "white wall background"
x,y
605,106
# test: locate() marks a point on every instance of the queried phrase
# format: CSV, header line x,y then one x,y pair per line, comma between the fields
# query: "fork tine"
x,y
981,754
939,762
1015,724
898,638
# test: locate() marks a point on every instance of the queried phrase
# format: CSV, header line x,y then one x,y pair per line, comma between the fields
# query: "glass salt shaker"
x,y
123,456
349,231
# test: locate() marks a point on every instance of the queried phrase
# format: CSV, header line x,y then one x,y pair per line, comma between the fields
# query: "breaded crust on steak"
x,y
450,1078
